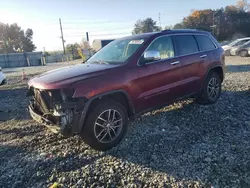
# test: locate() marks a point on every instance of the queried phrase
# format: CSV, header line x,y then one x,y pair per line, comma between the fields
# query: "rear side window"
x,y
186,44
205,43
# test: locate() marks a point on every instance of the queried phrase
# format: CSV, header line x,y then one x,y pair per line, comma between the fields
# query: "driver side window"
x,y
164,46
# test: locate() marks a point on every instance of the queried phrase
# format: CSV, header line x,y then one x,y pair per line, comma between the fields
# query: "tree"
x,y
243,5
199,19
72,49
178,26
227,23
145,26
14,39
167,27
28,45
84,46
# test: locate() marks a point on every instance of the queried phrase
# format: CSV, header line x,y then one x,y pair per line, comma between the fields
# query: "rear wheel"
x,y
105,125
243,53
211,90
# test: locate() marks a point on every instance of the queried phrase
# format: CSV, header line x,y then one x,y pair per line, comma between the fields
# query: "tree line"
x,y
226,23
13,39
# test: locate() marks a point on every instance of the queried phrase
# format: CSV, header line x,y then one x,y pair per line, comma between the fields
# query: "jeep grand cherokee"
x,y
126,78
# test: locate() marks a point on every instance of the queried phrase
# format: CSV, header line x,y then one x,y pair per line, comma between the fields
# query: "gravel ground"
x,y
182,145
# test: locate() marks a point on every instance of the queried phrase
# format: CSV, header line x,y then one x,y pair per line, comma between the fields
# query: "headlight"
x,y
233,49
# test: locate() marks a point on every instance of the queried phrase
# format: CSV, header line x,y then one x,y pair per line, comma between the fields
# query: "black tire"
x,y
3,82
88,133
205,96
243,53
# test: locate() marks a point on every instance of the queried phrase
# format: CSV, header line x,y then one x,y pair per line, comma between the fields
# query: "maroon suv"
x,y
127,77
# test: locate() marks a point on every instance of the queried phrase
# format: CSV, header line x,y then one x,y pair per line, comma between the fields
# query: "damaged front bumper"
x,y
57,110
40,119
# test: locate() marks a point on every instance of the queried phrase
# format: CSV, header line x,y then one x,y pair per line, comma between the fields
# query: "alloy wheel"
x,y
108,126
213,88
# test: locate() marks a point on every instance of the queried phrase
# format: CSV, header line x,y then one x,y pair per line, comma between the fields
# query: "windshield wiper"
x,y
100,62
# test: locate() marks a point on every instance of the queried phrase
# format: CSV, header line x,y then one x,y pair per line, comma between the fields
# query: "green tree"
x,y
73,49
27,43
145,26
178,26
14,39
167,27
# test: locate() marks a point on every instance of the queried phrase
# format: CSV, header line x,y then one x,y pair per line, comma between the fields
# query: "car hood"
x,y
226,47
65,76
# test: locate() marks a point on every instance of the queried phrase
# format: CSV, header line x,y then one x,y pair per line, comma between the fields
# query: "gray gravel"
x,y
182,145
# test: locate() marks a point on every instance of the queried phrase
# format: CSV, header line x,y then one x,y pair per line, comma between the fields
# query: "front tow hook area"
x,y
46,122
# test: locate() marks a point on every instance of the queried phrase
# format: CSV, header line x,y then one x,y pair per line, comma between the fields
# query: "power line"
x,y
91,23
99,34
102,30
94,22
97,27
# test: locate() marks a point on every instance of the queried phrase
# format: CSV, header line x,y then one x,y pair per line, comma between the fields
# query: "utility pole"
x,y
62,36
213,26
72,51
160,19
87,36
213,23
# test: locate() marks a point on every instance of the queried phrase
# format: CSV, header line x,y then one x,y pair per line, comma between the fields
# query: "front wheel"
x,y
211,90
105,125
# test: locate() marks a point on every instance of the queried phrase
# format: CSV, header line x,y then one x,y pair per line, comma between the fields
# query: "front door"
x,y
158,81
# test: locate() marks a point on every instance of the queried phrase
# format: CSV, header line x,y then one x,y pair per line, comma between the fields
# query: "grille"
x,y
40,103
43,100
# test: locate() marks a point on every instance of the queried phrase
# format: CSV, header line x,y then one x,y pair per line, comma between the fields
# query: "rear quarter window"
x,y
205,43
186,44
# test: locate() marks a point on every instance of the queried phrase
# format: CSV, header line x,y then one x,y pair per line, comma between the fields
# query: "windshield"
x,y
233,43
238,42
117,51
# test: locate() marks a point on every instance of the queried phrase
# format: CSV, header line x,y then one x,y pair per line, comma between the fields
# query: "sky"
x,y
101,18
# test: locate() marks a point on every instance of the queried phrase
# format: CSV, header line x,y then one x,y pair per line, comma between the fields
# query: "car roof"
x,y
247,38
171,31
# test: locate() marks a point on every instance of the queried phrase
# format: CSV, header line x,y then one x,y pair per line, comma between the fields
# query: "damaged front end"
x,y
56,109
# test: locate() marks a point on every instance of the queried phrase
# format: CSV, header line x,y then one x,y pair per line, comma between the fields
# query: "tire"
x,y
93,129
243,53
211,90
3,82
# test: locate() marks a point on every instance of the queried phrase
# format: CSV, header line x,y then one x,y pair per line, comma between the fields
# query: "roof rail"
x,y
167,30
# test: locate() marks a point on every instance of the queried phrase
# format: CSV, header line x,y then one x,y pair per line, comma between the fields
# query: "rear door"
x,y
158,81
191,60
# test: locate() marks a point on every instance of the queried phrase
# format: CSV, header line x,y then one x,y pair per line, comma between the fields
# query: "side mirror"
x,y
151,55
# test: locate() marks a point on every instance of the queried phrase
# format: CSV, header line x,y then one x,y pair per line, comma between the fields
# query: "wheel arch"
x,y
120,96
217,69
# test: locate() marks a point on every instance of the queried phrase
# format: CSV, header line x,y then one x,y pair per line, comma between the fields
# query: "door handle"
x,y
175,63
203,56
